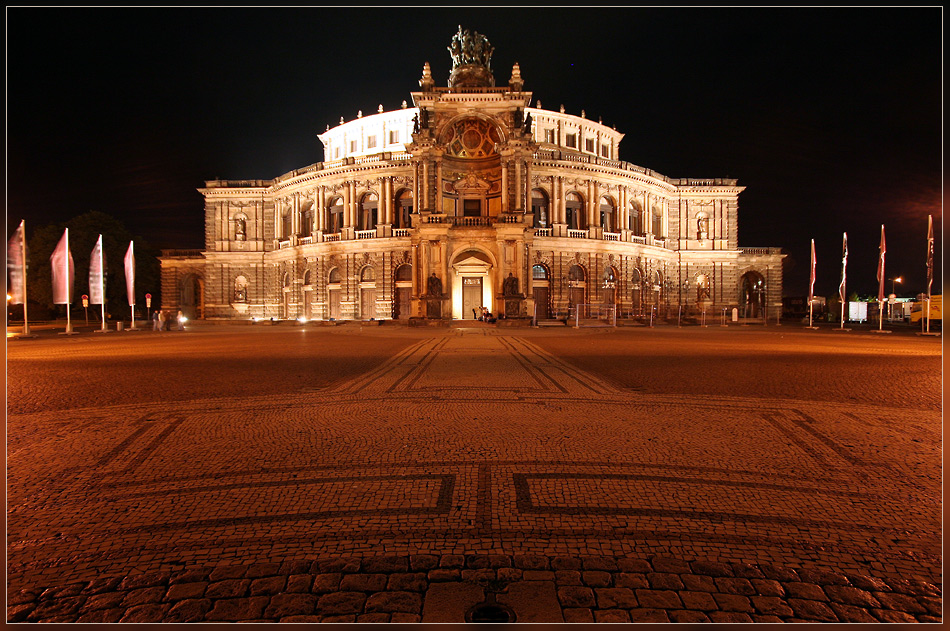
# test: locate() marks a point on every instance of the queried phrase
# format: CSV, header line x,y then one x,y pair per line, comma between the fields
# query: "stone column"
x,y
518,185
438,183
561,208
425,184
321,209
504,186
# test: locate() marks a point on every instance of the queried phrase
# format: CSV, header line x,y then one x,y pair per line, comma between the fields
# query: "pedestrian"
x,y
161,320
181,321
155,322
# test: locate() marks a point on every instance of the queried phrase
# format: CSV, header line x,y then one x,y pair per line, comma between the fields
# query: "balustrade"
x,y
577,234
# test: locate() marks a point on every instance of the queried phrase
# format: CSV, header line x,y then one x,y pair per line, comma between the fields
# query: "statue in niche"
x,y
415,123
527,123
702,226
510,286
434,285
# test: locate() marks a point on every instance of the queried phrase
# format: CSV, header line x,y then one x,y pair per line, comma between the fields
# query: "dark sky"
x,y
831,117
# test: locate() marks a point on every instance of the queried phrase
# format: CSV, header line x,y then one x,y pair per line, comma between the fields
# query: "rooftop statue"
x,y
469,49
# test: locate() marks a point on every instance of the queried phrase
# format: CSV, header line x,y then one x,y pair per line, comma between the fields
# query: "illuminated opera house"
x,y
472,199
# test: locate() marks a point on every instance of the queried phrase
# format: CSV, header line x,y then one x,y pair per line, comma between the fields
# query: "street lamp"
x,y
899,279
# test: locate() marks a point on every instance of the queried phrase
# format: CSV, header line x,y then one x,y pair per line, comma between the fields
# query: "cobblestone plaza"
x,y
387,473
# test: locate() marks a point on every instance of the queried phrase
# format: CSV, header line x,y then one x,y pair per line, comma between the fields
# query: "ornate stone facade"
x,y
441,209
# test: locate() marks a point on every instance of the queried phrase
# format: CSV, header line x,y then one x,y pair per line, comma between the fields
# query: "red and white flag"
x,y
880,268
844,268
930,252
97,264
16,264
811,283
61,262
130,274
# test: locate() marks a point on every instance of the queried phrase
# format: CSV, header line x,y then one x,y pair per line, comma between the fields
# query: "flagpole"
x,y
132,306
26,320
811,289
69,322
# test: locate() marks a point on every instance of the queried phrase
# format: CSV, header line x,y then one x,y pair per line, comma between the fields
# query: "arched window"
x,y
657,222
306,219
335,215
539,272
286,280
403,209
286,223
576,286
368,275
404,273
306,278
608,210
334,276
636,291
369,212
635,218
574,211
539,208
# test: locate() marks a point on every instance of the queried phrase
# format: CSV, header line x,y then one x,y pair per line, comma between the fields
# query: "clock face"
x,y
471,138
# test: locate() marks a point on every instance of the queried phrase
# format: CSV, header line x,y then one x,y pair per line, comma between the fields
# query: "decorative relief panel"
x,y
470,138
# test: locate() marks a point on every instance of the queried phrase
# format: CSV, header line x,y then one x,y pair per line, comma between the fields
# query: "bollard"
x,y
119,326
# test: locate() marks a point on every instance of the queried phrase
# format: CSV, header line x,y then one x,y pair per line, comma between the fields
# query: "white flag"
x,y
63,271
811,282
130,274
97,264
930,252
16,264
880,268
844,267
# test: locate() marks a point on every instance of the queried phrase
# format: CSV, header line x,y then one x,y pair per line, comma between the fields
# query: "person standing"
x,y
181,321
161,320
155,322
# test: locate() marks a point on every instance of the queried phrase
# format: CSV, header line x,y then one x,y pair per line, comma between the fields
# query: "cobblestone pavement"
x,y
398,474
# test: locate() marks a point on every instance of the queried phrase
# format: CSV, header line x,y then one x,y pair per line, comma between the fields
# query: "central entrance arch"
x,y
471,284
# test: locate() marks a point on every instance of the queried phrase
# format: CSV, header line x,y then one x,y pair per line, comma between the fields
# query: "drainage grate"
x,y
490,612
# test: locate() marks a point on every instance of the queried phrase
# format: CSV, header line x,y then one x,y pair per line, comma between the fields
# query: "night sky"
x,y
832,118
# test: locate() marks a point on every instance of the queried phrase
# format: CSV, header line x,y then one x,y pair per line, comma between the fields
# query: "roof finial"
x,y
426,82
380,109
516,83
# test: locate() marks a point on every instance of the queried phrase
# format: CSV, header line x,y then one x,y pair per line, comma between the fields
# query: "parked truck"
x,y
936,308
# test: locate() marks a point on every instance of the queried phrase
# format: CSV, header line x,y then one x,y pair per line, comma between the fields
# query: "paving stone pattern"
x,y
448,468
430,588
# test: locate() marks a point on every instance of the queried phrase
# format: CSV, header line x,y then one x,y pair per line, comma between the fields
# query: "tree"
x,y
84,231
